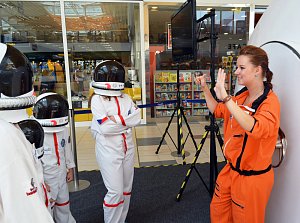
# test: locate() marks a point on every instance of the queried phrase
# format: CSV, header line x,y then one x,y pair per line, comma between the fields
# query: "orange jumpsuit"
x,y
244,185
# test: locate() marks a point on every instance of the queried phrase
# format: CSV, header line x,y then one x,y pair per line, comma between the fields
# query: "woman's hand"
x,y
210,100
220,85
201,80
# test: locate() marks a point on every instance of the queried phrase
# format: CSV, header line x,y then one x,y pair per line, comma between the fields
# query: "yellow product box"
x,y
158,77
173,77
164,76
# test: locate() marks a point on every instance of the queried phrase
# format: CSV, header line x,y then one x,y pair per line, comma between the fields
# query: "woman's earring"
x,y
255,75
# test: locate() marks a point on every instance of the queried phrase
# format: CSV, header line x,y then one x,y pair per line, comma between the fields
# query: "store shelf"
x,y
165,88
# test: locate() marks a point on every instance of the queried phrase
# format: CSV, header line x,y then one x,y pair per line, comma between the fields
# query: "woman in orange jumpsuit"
x,y
251,122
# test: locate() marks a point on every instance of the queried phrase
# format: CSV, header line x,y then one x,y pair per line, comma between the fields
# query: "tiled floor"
x,y
147,139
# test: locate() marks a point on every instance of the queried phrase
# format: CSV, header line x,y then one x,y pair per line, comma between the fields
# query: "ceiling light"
x,y
236,5
154,7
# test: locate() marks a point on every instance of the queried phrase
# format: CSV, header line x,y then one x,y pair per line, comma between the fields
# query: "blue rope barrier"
x,y
78,112
171,102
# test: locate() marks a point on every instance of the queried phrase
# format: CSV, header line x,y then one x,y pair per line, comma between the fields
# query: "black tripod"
x,y
213,128
180,114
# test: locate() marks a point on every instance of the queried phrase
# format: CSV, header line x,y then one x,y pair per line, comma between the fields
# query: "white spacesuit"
x,y
114,115
51,111
34,133
21,193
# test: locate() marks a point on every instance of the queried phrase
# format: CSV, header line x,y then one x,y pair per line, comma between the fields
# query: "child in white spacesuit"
x,y
114,115
51,111
21,192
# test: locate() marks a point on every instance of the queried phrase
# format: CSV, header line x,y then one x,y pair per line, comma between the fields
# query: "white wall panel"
x,y
278,33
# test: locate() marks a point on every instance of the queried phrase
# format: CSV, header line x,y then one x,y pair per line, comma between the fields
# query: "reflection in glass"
x,y
100,31
96,31
35,29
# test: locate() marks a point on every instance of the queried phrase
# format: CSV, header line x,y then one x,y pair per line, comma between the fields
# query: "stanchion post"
x,y
76,184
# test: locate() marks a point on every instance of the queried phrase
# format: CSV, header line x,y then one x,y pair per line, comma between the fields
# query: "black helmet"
x,y
16,91
51,110
109,78
34,133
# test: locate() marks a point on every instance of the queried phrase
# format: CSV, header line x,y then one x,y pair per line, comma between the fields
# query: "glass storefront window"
x,y
231,26
98,31
227,22
35,29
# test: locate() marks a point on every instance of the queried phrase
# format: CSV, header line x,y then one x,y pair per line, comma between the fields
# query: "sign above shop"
x,y
232,46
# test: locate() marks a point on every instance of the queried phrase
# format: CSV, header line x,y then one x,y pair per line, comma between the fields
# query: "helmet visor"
x,y
52,106
109,71
33,131
15,73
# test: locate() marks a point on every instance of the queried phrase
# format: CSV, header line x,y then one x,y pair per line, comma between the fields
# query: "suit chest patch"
x,y
63,143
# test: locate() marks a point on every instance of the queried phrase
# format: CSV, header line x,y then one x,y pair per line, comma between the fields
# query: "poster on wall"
x,y
169,39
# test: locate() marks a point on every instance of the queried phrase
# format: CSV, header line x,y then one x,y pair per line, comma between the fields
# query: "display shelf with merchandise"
x,y
165,88
229,64
200,109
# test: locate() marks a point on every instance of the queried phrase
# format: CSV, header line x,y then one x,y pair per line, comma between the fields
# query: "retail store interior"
x,y
65,46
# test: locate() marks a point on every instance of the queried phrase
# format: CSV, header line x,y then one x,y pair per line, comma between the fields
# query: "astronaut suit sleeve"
x,y
132,118
68,151
109,127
